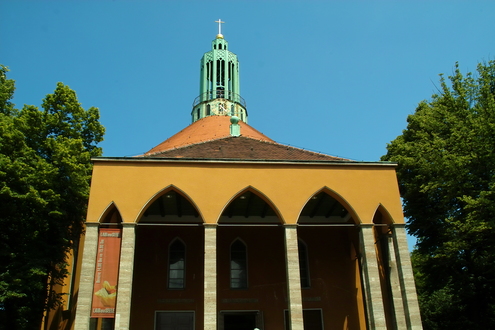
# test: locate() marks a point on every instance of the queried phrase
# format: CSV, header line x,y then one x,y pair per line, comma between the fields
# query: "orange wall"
x,y
131,184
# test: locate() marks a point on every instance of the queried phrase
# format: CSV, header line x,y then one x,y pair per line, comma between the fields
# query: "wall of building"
x,y
131,185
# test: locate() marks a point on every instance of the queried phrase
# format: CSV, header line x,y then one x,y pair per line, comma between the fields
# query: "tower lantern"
x,y
219,88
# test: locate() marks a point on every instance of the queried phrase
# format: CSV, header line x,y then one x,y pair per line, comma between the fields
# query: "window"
x,y
303,265
238,265
176,265
208,110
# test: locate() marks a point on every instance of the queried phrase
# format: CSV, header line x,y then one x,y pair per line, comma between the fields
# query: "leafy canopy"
x,y
45,172
446,171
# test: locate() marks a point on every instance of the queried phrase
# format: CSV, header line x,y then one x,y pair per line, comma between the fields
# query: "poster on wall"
x,y
107,273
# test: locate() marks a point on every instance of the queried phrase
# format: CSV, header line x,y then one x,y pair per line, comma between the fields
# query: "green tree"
x,y
45,173
446,171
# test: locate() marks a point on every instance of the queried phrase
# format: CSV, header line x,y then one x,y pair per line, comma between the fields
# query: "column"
x,y
371,278
123,308
397,298
406,278
293,278
210,277
88,264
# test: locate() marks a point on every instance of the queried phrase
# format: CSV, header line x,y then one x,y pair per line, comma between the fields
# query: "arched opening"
x,y
109,245
323,208
250,206
168,262
251,264
385,253
171,206
111,216
329,260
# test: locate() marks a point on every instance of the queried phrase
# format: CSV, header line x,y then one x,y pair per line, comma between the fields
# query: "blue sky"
x,y
338,77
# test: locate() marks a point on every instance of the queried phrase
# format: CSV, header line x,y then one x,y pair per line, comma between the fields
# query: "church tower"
x,y
219,91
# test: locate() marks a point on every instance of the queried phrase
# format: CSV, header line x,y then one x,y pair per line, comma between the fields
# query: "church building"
x,y
220,227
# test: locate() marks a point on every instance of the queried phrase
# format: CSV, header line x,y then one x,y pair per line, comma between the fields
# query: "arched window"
x,y
303,265
208,110
177,265
238,265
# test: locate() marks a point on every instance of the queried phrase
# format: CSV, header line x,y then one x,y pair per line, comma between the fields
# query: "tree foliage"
x,y
44,186
446,171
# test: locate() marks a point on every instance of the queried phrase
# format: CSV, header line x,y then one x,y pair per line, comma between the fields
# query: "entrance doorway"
x,y
239,320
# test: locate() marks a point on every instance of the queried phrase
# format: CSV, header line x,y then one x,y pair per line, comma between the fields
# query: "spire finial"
x,y
220,22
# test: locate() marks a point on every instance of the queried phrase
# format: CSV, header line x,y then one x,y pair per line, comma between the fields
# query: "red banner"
x,y
107,273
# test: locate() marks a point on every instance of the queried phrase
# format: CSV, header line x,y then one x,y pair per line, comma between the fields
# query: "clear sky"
x,y
338,77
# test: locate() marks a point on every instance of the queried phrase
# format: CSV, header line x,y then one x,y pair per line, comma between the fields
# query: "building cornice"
x,y
242,161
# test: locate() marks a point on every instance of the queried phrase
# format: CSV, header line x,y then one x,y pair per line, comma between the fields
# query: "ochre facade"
x,y
340,276
133,184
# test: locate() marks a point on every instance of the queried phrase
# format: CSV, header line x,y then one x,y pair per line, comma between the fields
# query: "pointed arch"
x,y
382,215
383,235
111,215
170,205
250,205
327,206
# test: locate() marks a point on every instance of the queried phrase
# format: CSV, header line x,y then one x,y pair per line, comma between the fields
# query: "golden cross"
x,y
219,25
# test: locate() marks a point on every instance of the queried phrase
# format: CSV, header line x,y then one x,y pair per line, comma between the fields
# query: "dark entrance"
x,y
239,321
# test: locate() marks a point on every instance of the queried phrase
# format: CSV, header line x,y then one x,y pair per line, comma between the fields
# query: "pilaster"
x,y
406,279
210,277
123,308
88,264
371,278
397,298
293,278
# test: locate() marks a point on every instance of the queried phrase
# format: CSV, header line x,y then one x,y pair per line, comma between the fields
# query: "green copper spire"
x,y
219,91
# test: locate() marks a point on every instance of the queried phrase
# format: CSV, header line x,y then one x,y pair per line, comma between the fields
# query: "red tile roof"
x,y
206,129
209,138
243,148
